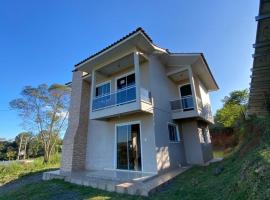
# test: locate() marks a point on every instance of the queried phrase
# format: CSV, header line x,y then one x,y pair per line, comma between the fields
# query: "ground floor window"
x,y
205,135
173,132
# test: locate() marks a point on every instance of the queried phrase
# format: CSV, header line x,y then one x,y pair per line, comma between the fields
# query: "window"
x,y
185,90
103,88
205,135
186,97
126,81
173,132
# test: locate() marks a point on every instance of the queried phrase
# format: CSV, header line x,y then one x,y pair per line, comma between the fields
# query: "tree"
x,y
11,153
35,147
233,110
44,112
237,97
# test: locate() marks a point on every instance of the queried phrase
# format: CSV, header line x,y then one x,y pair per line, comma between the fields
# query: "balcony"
x,y
121,102
182,104
185,108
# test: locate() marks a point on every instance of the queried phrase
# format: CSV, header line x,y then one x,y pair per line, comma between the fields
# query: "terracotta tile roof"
x,y
115,43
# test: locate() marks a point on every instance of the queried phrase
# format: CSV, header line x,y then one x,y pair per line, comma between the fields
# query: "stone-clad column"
x,y
74,143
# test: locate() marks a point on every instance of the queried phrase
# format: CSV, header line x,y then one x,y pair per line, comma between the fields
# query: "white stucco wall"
x,y
193,148
204,94
163,90
101,144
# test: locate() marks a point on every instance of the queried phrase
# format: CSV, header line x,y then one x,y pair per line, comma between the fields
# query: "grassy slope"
x,y
246,175
16,170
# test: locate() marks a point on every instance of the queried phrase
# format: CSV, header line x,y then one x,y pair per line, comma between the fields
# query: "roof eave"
x,y
117,43
208,68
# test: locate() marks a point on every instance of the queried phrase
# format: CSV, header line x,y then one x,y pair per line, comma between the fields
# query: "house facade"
x,y
138,107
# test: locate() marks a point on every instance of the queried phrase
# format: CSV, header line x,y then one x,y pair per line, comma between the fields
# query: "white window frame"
x,y
177,132
101,84
124,75
184,84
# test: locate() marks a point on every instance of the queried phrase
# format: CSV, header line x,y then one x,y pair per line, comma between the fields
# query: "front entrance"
x,y
128,147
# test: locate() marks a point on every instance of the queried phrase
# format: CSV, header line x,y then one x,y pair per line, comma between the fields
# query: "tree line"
x,y
25,145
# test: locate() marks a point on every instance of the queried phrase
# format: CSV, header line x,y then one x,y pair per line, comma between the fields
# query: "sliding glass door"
x,y
128,147
126,89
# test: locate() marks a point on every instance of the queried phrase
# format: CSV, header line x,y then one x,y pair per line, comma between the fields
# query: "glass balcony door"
x,y
186,97
126,90
128,147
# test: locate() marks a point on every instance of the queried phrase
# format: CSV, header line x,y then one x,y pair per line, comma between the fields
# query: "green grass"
x,y
218,153
16,170
246,176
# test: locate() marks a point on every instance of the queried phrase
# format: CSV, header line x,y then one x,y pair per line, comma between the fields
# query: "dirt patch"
x,y
252,140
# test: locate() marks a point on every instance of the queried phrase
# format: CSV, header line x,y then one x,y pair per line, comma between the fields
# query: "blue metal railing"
x,y
183,104
120,97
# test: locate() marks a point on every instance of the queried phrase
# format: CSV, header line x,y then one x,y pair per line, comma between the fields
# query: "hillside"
x,y
245,175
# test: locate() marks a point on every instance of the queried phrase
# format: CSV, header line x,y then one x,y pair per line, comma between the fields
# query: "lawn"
x,y
16,170
218,153
245,176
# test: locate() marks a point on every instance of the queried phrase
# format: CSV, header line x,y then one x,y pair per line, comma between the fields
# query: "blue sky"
x,y
40,41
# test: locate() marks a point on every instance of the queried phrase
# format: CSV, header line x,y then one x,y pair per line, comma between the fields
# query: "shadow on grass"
x,y
58,189
37,172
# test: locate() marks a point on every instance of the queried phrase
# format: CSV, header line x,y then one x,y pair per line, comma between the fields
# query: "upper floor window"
x,y
186,97
103,88
173,132
125,81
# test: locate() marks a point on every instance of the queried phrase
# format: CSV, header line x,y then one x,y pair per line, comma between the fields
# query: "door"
x,y
126,90
128,147
186,97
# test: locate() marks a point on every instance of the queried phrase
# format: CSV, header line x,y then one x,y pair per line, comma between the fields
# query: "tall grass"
x,y
16,170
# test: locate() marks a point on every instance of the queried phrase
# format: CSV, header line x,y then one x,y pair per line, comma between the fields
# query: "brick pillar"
x,y
74,143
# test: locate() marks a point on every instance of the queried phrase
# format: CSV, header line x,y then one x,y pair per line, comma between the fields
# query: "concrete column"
x,y
93,88
74,143
193,147
137,77
192,84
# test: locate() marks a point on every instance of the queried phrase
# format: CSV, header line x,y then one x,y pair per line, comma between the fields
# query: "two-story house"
x,y
138,107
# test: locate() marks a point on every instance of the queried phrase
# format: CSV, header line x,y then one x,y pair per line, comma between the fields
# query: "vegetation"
x,y
233,110
8,150
25,145
245,175
44,112
18,169
228,120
